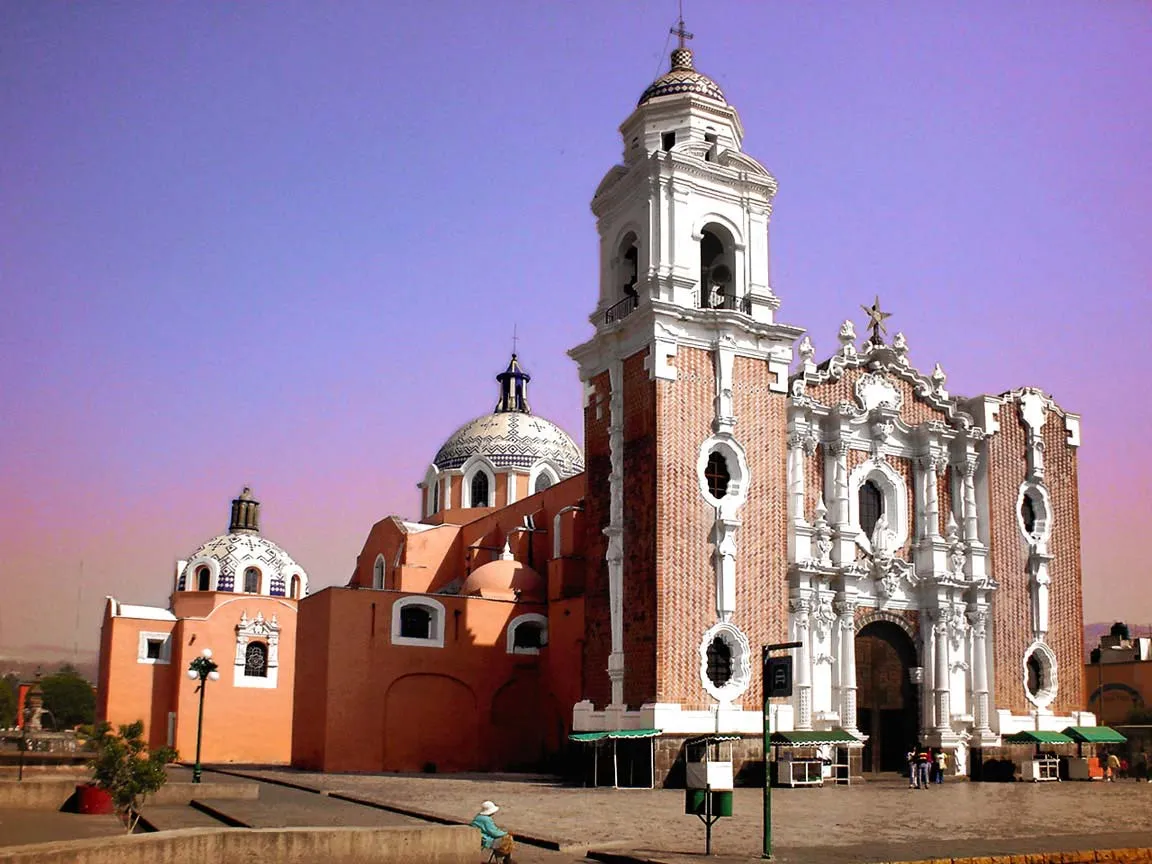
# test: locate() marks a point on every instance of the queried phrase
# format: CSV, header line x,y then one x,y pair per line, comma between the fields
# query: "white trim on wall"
x,y
892,487
435,628
529,618
165,640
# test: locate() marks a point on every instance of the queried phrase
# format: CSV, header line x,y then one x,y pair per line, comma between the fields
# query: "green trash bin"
x,y
694,802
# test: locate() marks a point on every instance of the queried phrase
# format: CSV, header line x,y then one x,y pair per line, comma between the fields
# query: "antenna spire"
x,y
514,339
679,30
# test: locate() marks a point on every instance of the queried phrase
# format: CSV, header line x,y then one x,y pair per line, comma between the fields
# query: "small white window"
x,y
154,649
418,621
527,634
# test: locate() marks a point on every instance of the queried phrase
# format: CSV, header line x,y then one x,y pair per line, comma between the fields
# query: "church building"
x,y
733,492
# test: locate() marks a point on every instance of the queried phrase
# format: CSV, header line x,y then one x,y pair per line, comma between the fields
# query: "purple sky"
x,y
284,244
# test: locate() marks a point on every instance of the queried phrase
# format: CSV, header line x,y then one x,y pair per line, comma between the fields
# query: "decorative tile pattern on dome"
x,y
231,549
512,440
683,78
277,587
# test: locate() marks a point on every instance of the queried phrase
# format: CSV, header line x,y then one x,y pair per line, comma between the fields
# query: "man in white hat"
x,y
491,837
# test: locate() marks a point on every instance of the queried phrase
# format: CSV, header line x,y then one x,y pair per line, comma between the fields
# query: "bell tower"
x,y
685,422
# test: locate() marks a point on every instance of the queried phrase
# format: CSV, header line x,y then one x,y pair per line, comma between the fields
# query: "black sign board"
x,y
778,675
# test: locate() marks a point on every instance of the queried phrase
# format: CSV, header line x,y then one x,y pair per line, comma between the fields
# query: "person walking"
x,y
923,767
911,758
941,765
1113,767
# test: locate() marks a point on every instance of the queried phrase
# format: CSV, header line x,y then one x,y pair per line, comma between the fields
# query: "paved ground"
x,y
877,821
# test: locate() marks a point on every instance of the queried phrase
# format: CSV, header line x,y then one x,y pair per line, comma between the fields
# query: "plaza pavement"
x,y
875,821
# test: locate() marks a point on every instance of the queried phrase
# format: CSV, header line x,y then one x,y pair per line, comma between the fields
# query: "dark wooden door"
x,y
885,698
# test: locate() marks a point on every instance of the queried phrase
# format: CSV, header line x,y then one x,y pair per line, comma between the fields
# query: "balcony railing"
x,y
620,311
708,300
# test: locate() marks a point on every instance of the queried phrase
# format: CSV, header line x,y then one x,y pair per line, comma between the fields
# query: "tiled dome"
x,y
683,78
512,439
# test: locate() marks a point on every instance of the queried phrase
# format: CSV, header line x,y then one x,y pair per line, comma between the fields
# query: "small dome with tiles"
x,y
683,78
512,436
242,561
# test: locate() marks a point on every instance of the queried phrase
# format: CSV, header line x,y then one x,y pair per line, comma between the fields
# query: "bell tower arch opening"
x,y
887,708
717,268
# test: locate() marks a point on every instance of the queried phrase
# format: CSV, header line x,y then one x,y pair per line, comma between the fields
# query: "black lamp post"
x,y
204,668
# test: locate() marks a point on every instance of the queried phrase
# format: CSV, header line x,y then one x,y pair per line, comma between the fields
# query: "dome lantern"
x,y
513,389
245,514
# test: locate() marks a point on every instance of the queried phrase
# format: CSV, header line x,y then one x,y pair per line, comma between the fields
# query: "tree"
x,y
69,698
9,695
127,770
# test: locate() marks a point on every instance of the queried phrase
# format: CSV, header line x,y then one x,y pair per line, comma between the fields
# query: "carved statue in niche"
x,y
822,535
883,539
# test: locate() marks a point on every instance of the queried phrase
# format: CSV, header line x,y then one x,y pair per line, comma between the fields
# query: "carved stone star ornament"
x,y
876,321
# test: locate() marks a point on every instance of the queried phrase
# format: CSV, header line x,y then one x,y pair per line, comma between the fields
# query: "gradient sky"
x,y
284,245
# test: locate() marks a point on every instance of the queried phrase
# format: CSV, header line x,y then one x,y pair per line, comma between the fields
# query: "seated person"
x,y
491,837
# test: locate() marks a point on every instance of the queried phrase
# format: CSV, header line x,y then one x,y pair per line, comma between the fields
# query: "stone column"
x,y
978,618
844,551
796,441
846,609
941,679
930,466
801,609
967,470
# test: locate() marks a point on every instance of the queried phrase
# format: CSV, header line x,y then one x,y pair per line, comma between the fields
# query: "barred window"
x,y
256,660
719,662
871,506
717,475
543,481
252,581
416,622
480,489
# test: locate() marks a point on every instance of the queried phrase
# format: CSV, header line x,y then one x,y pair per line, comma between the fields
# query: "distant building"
x,y
236,595
1119,676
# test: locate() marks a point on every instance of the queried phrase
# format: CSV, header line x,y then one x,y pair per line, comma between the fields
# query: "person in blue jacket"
x,y
492,837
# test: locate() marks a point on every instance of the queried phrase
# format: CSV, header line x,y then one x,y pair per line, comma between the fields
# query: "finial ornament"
x,y
876,321
515,339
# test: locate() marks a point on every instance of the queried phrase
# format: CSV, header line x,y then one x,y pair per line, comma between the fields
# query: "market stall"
x,y
1081,767
807,758
633,756
1044,764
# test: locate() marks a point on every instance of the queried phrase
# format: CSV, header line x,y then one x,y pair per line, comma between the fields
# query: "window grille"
x,y
480,489
719,662
252,581
416,622
716,473
256,660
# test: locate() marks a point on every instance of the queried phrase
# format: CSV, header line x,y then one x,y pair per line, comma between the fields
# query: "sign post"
x,y
776,680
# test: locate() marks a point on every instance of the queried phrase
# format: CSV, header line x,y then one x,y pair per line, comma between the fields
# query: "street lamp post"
x,y
204,668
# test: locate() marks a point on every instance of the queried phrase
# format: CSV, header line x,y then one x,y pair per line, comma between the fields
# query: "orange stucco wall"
x,y
372,705
241,724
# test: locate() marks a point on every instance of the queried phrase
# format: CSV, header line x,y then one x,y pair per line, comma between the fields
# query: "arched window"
x,y
871,506
256,660
295,587
203,579
251,581
717,474
719,662
480,489
717,281
543,481
1035,675
631,269
1028,514
416,622
378,572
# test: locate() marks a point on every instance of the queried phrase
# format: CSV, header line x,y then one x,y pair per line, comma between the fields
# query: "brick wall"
x,y
685,583
1007,468
597,620
640,542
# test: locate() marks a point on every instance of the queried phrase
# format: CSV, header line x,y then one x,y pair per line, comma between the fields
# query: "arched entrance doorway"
x,y
885,697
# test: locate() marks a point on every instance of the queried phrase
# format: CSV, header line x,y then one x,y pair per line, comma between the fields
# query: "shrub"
x,y
125,768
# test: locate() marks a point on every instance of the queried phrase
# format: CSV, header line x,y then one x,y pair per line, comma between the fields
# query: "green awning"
x,y
618,733
1033,737
810,739
1094,735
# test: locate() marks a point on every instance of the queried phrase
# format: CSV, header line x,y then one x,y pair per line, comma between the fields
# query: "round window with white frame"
x,y
722,472
1039,674
725,662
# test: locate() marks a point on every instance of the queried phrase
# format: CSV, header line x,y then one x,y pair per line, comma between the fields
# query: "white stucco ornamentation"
x,y
740,671
246,669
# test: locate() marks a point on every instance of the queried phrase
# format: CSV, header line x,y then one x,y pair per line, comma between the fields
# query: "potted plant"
x,y
124,773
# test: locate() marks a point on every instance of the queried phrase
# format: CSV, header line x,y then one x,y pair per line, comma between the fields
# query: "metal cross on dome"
x,y
679,30
876,321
